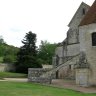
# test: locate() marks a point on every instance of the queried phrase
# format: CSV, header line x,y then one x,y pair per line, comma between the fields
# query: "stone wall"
x,y
2,67
66,73
71,45
72,36
82,77
73,49
90,51
47,66
34,75
58,51
74,23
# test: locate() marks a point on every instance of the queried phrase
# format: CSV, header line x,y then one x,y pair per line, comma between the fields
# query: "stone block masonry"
x,y
35,73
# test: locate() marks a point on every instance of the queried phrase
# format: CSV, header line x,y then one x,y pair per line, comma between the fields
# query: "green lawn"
x,y
12,75
30,89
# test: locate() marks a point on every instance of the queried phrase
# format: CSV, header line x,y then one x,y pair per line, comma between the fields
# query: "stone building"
x,y
75,57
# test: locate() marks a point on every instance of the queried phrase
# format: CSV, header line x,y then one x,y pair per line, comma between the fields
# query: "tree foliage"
x,y
45,52
1,40
7,52
27,55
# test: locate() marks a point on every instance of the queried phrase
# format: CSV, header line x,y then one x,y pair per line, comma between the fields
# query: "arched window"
x,y
94,39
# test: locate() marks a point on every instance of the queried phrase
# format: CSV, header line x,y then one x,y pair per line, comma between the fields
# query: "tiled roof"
x,y
90,16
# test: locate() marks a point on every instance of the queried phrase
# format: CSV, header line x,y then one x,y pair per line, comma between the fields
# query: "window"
x,y
69,66
83,11
94,39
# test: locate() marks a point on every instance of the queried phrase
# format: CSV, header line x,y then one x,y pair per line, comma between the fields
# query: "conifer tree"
x,y
27,56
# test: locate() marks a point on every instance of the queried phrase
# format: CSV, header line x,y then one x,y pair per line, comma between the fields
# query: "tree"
x,y
45,52
7,52
10,52
1,40
27,55
9,59
1,46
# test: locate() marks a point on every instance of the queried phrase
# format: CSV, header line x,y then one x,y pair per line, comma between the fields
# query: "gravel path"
x,y
69,84
15,79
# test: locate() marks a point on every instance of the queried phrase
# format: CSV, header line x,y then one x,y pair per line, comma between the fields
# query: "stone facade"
x,y
71,45
82,77
86,46
75,57
81,41
7,67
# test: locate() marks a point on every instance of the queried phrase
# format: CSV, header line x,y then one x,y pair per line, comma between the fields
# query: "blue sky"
x,y
47,18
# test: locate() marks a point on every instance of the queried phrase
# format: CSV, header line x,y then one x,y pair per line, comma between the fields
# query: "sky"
x,y
46,18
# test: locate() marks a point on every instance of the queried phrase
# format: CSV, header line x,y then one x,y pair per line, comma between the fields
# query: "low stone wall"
x,y
2,67
35,73
6,67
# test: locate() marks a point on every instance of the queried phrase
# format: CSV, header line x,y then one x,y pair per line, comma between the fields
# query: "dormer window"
x,y
83,11
94,39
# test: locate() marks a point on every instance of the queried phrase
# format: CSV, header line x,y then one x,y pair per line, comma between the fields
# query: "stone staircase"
x,y
42,76
72,61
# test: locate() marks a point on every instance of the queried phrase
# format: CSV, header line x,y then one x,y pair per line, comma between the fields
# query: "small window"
x,y
69,66
94,39
83,11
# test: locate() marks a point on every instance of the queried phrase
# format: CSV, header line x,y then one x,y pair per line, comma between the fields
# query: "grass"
x,y
30,89
12,75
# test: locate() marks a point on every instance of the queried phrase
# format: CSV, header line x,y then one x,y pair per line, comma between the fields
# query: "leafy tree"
x,y
9,59
27,56
45,52
7,52
9,55
1,46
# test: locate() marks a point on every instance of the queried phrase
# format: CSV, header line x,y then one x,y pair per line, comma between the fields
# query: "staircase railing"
x,y
71,61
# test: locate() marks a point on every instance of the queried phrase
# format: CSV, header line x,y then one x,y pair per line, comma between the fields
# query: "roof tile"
x,y
90,16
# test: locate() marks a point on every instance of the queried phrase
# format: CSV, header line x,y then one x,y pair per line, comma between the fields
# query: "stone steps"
x,y
71,61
